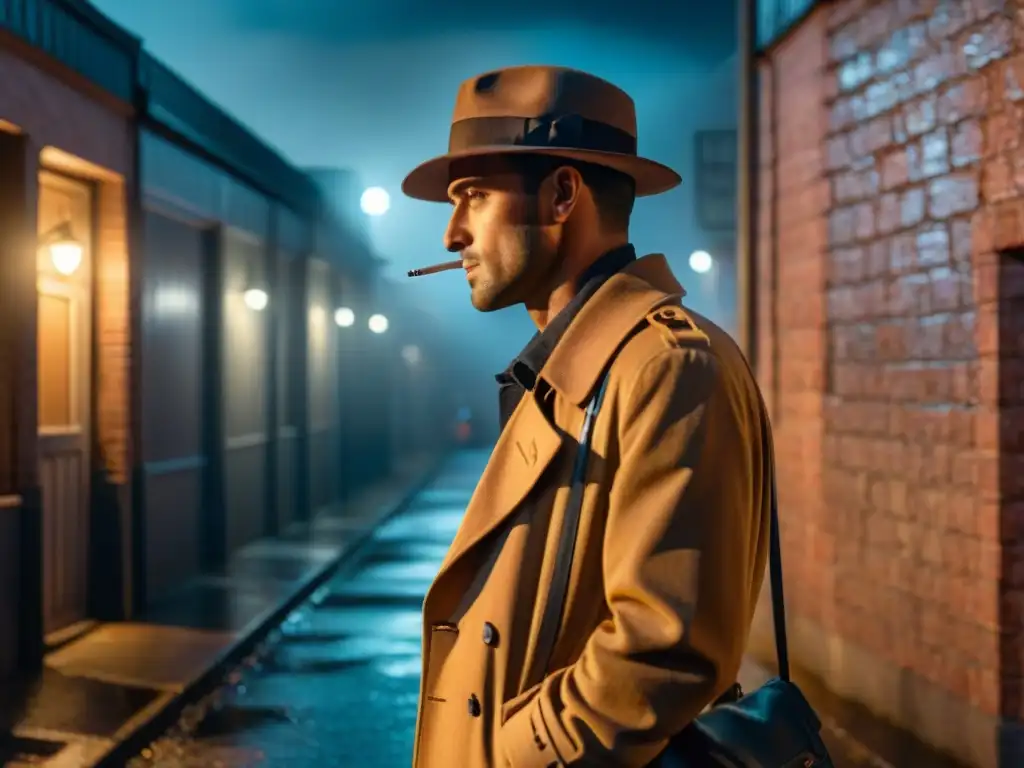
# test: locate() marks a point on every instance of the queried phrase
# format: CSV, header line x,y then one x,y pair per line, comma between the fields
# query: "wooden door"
x,y
64,378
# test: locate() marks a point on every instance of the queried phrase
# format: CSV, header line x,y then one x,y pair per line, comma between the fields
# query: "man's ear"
x,y
567,185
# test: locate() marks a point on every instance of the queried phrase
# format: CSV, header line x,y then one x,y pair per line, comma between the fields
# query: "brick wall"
x,y
113,330
890,180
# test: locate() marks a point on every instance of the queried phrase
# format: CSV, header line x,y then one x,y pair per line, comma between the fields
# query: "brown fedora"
x,y
545,110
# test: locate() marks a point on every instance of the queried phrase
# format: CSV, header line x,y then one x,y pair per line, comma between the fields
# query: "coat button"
x,y
490,634
474,706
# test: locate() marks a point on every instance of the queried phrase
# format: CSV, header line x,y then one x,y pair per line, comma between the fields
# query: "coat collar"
x,y
605,322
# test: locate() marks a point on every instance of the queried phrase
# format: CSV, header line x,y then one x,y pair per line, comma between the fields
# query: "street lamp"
x,y
375,201
344,317
378,323
701,262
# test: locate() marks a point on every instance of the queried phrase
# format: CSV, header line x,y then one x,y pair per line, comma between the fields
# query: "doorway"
x,y
64,360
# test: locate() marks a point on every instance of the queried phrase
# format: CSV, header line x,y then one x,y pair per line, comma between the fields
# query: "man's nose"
x,y
456,238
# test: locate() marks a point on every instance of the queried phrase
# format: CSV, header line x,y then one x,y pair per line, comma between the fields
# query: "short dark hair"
x,y
614,192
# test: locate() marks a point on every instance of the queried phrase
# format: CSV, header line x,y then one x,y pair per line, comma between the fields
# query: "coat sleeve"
x,y
681,572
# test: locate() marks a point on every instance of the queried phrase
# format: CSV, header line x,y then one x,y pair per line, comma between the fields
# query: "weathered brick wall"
x,y
113,330
792,240
894,126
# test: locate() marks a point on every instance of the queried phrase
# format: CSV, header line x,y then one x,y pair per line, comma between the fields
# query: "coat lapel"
x,y
524,450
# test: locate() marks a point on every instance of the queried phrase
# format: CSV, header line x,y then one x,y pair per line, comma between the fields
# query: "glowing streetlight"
x,y
375,201
378,323
256,299
701,262
344,317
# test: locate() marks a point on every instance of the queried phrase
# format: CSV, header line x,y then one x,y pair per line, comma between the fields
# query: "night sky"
x,y
370,86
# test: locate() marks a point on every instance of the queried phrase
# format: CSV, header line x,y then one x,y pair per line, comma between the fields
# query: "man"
x,y
672,534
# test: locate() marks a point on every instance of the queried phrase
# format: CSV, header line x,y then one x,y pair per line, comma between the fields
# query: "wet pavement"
x,y
104,693
337,683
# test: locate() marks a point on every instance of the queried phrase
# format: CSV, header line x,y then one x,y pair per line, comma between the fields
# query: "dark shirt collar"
x,y
522,373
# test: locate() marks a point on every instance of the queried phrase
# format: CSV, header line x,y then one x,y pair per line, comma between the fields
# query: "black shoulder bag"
x,y
772,727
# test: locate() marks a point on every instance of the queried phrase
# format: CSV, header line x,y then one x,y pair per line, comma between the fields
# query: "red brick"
x,y
963,98
952,194
967,144
894,167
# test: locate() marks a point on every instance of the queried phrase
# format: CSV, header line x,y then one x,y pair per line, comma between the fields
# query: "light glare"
x,y
375,201
701,262
256,299
66,256
378,323
344,317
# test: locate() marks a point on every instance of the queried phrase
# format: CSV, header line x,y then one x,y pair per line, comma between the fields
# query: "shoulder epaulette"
x,y
677,328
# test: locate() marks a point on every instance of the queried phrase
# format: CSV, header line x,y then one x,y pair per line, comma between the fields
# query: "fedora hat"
x,y
542,110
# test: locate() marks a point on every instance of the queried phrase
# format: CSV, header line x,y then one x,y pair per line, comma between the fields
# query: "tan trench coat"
x,y
669,560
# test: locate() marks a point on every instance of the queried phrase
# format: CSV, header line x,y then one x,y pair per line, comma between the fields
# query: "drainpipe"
x,y
747,180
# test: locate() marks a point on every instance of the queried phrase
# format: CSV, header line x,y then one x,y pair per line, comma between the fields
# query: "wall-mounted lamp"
x,y
255,296
344,317
378,323
65,250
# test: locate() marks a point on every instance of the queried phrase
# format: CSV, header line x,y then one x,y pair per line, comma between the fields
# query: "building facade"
x,y
175,378
68,147
889,234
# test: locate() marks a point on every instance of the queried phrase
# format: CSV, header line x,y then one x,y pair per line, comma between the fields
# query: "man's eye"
x,y
475,194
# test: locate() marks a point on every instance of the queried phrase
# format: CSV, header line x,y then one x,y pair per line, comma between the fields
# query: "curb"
x,y
149,729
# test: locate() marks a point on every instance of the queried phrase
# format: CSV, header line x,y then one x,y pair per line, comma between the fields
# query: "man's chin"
x,y
486,303
485,306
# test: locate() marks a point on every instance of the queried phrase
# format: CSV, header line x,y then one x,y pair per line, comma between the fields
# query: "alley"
x,y
336,684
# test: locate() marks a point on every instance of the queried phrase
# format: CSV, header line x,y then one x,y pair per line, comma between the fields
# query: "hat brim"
x,y
430,180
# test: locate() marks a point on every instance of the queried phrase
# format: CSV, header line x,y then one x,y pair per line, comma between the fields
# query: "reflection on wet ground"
x,y
337,684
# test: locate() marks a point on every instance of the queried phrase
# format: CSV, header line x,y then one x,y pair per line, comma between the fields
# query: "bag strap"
x,y
552,618
775,573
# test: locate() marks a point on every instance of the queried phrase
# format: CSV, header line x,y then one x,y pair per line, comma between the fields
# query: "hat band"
x,y
562,132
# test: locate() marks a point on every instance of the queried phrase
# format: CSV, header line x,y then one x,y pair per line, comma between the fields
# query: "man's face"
x,y
497,228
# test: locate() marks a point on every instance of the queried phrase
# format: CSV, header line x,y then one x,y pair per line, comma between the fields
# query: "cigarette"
x,y
433,268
